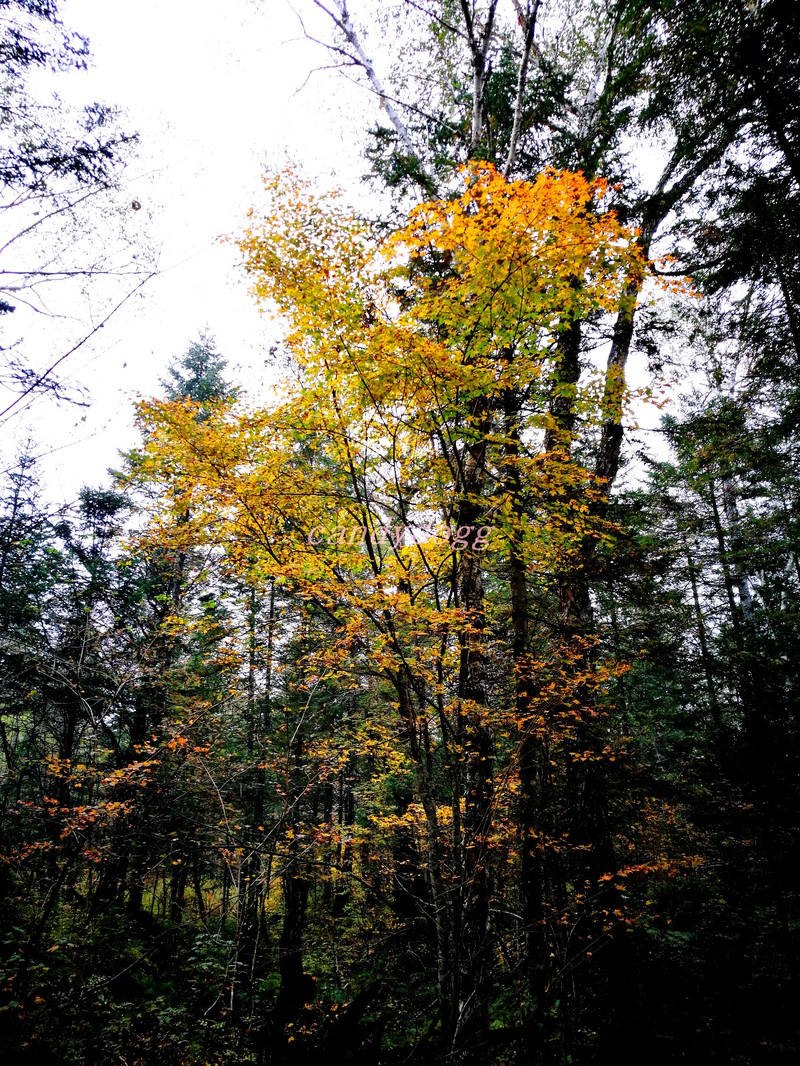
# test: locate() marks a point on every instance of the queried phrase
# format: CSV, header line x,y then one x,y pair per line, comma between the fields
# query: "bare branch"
x,y
528,22
44,218
341,19
43,377
479,49
435,18
402,103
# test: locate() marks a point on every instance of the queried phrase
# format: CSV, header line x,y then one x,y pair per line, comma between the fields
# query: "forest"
x,y
445,709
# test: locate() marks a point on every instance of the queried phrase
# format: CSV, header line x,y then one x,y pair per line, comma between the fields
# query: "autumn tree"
x,y
421,395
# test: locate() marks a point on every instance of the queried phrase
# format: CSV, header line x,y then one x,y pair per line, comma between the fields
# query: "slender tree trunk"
x,y
713,701
473,943
416,733
534,748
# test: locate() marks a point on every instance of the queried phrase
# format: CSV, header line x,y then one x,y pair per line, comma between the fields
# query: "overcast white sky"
x,y
216,91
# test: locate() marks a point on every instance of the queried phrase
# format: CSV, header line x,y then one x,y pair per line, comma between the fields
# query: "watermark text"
x,y
460,538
